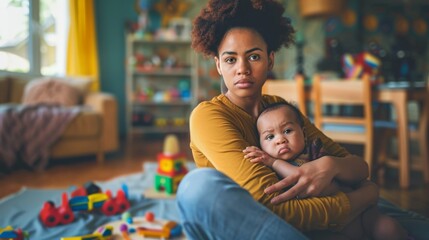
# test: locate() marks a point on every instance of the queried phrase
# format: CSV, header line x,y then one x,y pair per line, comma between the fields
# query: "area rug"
x,y
21,210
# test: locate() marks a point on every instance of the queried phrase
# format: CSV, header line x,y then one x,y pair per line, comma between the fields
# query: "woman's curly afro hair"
x,y
219,16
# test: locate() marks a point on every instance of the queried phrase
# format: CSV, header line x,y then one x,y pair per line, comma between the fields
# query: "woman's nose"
x,y
243,68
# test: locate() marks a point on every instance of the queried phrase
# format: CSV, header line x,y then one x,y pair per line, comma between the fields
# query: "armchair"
x,y
93,131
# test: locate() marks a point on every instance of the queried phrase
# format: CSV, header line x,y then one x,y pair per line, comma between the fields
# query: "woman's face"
x,y
243,62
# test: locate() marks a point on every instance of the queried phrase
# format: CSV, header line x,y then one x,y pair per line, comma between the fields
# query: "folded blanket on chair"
x,y
28,131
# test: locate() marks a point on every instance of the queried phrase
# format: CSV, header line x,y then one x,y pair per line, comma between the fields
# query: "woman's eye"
x,y
230,60
254,57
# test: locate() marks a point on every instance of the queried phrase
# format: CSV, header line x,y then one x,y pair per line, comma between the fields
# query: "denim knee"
x,y
196,198
198,186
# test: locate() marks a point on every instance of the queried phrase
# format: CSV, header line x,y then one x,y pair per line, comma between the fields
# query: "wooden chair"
x,y
345,129
418,133
292,90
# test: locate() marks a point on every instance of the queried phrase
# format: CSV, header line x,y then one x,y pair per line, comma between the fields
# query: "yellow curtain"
x,y
82,58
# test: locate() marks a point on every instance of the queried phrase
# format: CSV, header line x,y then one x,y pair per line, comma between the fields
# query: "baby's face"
x,y
280,134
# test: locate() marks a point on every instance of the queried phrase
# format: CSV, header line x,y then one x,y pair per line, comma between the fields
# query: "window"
x,y
33,36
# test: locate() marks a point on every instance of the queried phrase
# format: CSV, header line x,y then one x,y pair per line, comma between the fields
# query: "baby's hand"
x,y
256,155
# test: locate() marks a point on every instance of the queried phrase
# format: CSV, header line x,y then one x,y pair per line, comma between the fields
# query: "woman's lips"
x,y
244,84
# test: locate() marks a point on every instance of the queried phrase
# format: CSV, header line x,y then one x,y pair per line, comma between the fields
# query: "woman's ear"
x,y
218,65
271,60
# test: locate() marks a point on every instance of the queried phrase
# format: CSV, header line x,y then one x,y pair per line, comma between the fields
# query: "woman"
x,y
242,36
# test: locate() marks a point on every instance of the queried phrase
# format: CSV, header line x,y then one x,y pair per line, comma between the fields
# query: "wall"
x,y
110,20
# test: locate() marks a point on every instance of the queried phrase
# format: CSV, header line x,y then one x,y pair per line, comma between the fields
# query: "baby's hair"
x,y
219,16
292,106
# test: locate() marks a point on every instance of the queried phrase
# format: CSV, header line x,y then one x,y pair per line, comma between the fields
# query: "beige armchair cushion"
x,y
88,124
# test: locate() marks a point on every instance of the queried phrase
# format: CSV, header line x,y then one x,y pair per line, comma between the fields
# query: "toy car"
x,y
52,216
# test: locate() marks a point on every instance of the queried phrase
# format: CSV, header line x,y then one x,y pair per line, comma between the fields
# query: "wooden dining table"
x,y
399,95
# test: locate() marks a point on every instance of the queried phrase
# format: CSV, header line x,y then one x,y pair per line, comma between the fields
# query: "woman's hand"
x,y
256,155
309,180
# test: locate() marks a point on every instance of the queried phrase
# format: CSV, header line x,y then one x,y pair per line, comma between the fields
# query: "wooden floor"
x,y
130,159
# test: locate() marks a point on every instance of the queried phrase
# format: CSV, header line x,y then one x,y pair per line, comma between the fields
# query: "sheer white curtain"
x,y
63,22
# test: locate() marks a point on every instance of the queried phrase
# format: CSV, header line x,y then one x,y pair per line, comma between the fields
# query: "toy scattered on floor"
x,y
169,229
52,216
13,234
171,166
124,231
149,216
103,233
146,227
105,202
85,198
126,217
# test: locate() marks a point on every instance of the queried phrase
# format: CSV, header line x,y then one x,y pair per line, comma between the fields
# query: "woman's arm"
x,y
311,185
313,177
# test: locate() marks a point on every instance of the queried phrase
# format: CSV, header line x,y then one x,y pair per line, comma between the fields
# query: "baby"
x,y
284,147
283,142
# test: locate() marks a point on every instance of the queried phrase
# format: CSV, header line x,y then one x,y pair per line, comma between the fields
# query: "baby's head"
x,y
280,128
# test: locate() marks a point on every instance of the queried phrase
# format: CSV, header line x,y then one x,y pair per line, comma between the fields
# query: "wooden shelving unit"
x,y
161,85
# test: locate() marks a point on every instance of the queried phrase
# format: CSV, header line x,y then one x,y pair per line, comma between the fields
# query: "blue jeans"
x,y
212,206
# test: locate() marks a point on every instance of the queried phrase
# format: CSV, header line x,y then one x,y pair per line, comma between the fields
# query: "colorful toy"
x,y
126,217
171,166
149,216
141,228
357,65
12,234
84,199
169,229
124,231
52,216
93,198
104,233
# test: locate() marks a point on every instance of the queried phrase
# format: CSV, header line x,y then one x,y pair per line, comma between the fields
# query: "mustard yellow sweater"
x,y
220,131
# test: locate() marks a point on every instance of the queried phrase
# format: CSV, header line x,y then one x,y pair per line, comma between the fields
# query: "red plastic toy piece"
x,y
81,191
116,205
65,211
49,215
149,216
52,216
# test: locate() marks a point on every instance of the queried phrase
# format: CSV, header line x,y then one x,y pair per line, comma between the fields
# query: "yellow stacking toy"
x,y
171,166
